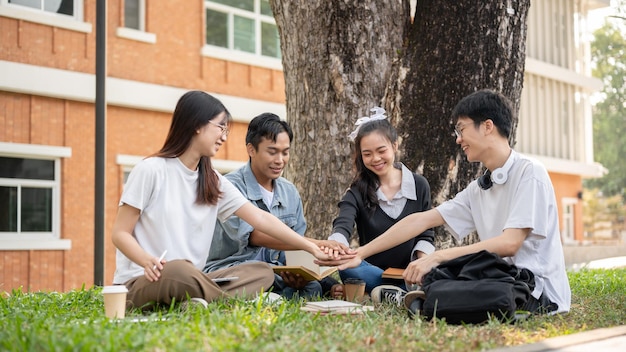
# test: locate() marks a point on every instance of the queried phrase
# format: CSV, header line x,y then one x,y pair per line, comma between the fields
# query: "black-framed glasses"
x,y
458,129
225,130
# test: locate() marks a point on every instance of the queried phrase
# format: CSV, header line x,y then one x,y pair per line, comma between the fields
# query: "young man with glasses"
x,y
268,142
512,208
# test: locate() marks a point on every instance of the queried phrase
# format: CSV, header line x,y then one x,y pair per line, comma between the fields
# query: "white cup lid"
x,y
115,289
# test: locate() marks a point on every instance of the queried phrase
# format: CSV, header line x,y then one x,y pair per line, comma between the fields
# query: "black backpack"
x,y
473,287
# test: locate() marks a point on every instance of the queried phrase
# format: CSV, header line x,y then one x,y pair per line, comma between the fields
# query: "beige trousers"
x,y
181,279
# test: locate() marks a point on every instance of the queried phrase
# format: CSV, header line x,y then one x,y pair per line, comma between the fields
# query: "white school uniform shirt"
x,y
164,191
526,200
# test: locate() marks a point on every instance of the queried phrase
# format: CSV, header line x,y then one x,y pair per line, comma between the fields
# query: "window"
x,y
26,193
30,192
134,22
243,25
67,14
61,7
134,14
569,219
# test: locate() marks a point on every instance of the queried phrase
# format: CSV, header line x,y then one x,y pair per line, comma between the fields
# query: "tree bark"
x,y
340,58
453,49
337,59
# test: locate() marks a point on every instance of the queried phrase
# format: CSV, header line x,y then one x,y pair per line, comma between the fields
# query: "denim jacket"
x,y
231,239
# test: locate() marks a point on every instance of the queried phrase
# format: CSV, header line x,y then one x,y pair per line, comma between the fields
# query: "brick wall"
x,y
175,60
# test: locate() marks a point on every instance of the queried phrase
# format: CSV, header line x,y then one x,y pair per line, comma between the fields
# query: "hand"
x,y
319,254
415,271
336,291
152,269
293,280
334,248
343,262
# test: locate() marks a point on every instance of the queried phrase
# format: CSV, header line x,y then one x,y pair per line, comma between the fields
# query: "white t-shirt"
x,y
164,190
526,200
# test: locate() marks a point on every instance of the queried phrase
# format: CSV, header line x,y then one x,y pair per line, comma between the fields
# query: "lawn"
x,y
38,321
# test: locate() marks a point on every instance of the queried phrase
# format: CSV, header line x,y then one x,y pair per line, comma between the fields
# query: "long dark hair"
x,y
364,179
194,110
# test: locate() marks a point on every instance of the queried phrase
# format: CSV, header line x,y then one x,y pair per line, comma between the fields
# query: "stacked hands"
x,y
333,251
344,258
328,253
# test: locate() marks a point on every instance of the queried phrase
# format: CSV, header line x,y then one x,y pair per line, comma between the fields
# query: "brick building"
x,y
227,48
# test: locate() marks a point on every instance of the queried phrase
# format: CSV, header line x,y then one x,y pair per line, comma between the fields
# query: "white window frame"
x,y
238,56
140,34
37,240
569,219
73,23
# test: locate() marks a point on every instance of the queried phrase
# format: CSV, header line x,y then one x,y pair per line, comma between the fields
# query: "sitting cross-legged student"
x,y
268,142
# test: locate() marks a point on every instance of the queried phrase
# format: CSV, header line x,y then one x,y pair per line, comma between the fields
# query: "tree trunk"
x,y
455,48
337,59
340,58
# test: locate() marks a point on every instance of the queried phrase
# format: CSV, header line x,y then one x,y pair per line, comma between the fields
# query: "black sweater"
x,y
372,224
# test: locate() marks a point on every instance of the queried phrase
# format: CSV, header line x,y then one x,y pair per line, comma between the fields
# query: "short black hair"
x,y
487,104
266,125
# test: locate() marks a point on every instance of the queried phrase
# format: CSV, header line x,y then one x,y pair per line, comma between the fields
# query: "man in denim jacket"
x,y
268,143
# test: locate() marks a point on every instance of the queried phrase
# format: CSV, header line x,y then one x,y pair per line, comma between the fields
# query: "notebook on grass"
x,y
336,307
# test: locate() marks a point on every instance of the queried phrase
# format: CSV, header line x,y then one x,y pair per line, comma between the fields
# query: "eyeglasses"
x,y
225,130
458,129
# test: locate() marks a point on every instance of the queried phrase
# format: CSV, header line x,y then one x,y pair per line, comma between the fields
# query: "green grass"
x,y
37,321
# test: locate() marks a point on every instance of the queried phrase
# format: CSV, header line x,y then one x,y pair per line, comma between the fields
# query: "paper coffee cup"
x,y
115,301
353,290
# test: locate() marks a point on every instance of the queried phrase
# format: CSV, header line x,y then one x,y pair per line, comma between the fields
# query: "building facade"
x,y
555,124
227,48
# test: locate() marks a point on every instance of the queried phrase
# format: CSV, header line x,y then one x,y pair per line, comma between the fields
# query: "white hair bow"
x,y
378,113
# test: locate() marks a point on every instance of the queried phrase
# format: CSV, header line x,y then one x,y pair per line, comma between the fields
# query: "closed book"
x,y
393,273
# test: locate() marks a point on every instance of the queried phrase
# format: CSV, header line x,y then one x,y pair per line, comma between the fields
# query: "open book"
x,y
335,307
301,262
393,273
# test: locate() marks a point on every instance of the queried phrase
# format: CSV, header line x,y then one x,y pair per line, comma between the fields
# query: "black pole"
x,y
100,156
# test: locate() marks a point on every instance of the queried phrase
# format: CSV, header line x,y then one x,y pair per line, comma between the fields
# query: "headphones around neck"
x,y
498,176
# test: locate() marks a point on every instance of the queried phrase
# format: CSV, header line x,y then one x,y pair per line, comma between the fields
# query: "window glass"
x,y
244,34
270,43
217,28
36,209
266,9
247,5
131,14
64,7
244,25
36,4
30,169
8,201
26,192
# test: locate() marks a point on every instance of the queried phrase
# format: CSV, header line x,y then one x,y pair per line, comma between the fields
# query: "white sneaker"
x,y
413,302
195,302
268,297
388,294
199,302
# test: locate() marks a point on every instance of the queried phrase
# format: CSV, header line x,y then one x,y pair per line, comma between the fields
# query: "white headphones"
x,y
498,176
